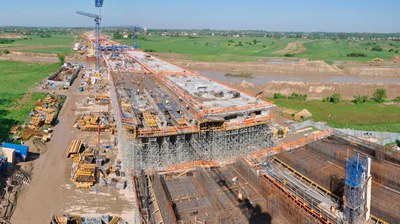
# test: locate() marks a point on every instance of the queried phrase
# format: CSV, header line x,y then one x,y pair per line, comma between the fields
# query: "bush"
x,y
279,96
117,35
44,35
397,99
239,44
296,96
6,41
359,99
61,58
289,55
335,98
376,48
356,55
6,51
379,95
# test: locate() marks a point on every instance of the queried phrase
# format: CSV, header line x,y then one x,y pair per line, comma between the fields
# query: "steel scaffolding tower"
x,y
357,195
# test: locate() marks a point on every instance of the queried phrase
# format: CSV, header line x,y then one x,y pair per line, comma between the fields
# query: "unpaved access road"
x,y
51,191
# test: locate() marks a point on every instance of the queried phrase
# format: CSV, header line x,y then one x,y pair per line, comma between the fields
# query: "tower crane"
x,y
134,29
97,19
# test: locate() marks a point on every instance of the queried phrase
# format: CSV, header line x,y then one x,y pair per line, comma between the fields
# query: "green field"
x,y
17,78
330,50
218,48
53,44
370,116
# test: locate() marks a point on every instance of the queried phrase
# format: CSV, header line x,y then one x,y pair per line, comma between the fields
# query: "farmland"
x,y
16,100
370,116
219,48
36,44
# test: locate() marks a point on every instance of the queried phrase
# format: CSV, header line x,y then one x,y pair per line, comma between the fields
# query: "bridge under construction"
x,y
201,151
167,115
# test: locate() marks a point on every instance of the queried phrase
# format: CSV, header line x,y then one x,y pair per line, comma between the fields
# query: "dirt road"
x,y
51,191
292,48
43,196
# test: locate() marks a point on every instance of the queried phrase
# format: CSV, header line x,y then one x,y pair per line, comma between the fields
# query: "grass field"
x,y
218,48
53,44
17,78
330,50
370,116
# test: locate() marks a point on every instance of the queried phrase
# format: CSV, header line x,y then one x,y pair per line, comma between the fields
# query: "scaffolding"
x,y
356,189
163,151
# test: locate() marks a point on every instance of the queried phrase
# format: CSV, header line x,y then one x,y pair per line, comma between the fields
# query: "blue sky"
x,y
282,15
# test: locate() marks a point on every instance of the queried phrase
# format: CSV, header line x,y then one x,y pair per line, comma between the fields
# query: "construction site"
x,y
200,151
137,139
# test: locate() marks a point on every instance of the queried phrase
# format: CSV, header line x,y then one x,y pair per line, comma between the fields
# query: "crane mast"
x,y
97,20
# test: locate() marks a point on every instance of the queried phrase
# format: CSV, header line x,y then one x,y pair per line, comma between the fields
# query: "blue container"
x,y
21,151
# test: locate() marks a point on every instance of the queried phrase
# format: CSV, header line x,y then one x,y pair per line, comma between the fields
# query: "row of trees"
x,y
293,96
379,96
6,41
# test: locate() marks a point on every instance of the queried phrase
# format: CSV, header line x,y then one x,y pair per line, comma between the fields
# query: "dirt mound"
x,y
396,58
286,66
245,84
373,71
320,90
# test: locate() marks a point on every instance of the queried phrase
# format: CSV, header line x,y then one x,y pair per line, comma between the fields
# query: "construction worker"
x,y
235,180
